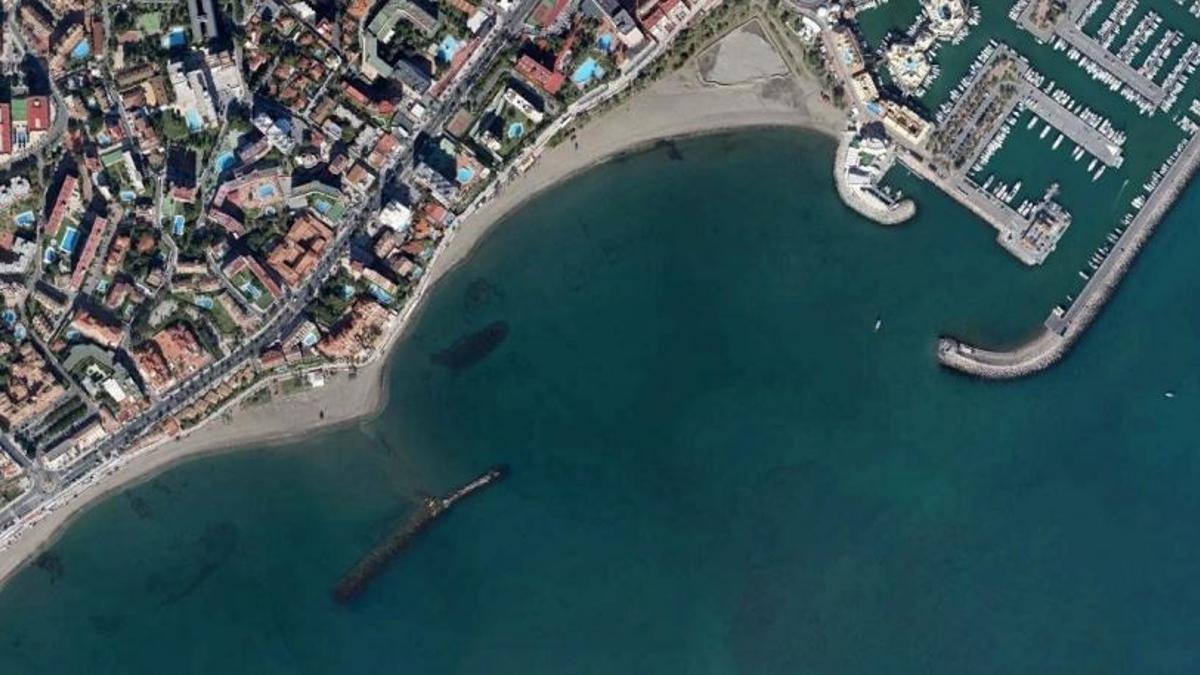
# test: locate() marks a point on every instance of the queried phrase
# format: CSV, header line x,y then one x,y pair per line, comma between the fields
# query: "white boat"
x,y
878,324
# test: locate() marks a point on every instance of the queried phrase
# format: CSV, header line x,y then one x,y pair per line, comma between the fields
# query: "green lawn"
x,y
150,22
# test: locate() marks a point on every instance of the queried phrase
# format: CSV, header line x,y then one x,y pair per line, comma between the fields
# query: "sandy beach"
x,y
735,84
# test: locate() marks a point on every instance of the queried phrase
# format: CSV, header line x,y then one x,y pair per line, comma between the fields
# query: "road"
x,y
48,486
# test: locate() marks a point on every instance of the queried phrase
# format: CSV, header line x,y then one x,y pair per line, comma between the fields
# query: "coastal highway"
x,y
55,489
184,393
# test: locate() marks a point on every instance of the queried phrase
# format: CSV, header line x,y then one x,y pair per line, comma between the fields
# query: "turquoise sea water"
x,y
717,465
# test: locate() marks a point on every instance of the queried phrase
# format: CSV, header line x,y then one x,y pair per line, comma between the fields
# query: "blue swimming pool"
x,y
203,301
194,121
9,317
465,174
128,196
381,295
266,191
50,256
250,291
448,48
586,72
516,130
322,206
69,239
605,42
176,38
225,161
25,219
177,225
81,50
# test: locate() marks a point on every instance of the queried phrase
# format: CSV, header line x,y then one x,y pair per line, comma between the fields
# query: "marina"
x,y
1025,142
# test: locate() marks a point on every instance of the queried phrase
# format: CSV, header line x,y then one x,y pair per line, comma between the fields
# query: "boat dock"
x,y
371,564
1080,132
1066,27
1063,327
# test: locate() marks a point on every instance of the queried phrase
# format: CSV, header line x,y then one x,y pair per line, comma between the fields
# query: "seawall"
x,y
1064,328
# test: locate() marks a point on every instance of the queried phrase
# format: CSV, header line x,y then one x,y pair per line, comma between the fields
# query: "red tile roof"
x,y
89,252
39,113
540,75
5,129
60,205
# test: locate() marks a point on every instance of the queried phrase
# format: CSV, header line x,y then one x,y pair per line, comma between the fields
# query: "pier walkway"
x,y
1067,28
1010,226
1073,127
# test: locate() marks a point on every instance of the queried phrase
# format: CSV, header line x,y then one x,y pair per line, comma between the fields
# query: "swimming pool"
x,y
381,295
9,317
516,130
69,239
465,174
586,72
25,219
605,42
128,196
81,50
448,48
176,38
250,291
49,257
177,225
322,206
266,191
203,301
194,122
225,161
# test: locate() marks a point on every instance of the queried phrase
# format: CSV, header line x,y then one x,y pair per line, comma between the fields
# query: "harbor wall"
x,y
1063,329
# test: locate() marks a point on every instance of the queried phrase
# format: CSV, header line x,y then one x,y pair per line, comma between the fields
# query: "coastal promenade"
x,y
1063,328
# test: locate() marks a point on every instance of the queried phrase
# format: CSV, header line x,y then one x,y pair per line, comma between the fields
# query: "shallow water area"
x,y
718,464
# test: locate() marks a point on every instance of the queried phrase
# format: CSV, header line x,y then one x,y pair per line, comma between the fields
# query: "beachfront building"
x,y
905,124
171,355
355,335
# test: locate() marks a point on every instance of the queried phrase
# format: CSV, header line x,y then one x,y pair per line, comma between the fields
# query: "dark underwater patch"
x,y
50,563
471,349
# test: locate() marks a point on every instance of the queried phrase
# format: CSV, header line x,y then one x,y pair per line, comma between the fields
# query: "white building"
x,y
193,98
396,216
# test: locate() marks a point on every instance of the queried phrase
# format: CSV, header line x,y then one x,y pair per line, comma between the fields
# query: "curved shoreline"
x,y
666,111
